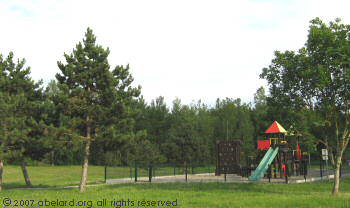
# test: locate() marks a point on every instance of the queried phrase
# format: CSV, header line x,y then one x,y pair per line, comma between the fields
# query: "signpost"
x,y
325,157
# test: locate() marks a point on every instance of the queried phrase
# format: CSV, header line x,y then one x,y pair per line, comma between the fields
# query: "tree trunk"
x,y
25,173
85,167
336,176
86,157
184,168
1,170
52,158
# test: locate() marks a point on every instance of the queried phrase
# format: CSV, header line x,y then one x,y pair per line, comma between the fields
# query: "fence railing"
x,y
206,172
139,173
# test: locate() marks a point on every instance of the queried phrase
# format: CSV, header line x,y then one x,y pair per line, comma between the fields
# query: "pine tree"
x,y
20,99
94,100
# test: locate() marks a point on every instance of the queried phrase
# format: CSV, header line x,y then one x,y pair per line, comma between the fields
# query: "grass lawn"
x,y
50,176
317,194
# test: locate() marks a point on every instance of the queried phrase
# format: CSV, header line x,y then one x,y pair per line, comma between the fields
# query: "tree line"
x,y
91,109
90,114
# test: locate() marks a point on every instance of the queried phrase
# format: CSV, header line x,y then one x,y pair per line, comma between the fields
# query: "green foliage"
x,y
183,141
313,82
312,85
233,122
93,96
259,116
95,104
187,133
122,130
19,107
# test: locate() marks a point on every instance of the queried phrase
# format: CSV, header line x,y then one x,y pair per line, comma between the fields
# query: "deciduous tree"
x,y
317,78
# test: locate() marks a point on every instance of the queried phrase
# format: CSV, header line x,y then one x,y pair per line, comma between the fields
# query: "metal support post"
x,y
225,169
130,172
286,173
150,173
321,167
105,174
305,170
154,171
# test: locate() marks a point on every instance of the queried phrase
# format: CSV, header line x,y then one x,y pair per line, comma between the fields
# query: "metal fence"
x,y
305,172
147,173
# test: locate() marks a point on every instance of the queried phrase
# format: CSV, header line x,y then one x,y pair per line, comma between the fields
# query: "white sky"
x,y
205,49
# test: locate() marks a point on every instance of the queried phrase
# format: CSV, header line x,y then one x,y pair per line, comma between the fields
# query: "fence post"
x,y
186,171
225,171
286,172
105,174
130,172
305,170
174,169
270,173
192,170
135,172
321,167
154,170
209,167
150,174
293,164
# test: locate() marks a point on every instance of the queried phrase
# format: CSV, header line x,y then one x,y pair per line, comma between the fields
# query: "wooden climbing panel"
x,y
228,155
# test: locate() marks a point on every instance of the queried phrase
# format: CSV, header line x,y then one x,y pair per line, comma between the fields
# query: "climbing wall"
x,y
228,154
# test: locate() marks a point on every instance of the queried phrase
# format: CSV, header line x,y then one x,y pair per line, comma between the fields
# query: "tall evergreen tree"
x,y
19,106
96,101
232,121
205,130
57,149
183,142
259,114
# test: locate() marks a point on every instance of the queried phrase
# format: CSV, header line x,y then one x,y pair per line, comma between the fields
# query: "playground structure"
x,y
228,157
277,154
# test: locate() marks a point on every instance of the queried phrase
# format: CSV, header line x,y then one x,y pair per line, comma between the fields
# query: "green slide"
x,y
264,165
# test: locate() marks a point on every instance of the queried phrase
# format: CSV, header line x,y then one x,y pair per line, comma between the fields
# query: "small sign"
x,y
324,152
325,157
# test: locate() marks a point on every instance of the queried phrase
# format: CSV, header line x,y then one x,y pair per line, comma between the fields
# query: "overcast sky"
x,y
187,49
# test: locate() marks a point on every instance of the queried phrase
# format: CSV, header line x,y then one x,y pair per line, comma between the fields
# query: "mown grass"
x,y
317,194
50,176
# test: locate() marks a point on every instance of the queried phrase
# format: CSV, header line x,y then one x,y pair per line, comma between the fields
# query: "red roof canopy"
x,y
275,128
